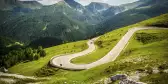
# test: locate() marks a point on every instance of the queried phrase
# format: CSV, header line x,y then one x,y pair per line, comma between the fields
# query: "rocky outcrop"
x,y
118,77
3,69
123,79
128,81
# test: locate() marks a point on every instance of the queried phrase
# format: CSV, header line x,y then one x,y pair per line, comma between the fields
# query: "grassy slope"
x,y
30,68
110,39
121,65
125,63
135,56
144,56
15,80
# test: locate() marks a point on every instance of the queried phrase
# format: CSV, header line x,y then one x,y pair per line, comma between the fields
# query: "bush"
x,y
46,71
146,38
40,48
99,43
163,66
149,70
42,53
36,57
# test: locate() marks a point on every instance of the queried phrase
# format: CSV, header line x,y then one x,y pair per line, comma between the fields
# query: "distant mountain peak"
x,y
10,4
97,7
74,4
99,3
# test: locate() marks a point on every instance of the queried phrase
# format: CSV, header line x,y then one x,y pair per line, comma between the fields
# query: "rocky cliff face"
x,y
96,7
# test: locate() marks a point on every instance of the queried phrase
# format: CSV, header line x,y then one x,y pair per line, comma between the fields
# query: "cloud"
x,y
85,2
119,2
45,2
111,2
49,2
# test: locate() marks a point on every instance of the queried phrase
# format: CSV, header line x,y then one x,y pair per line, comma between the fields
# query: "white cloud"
x,y
111,2
45,2
49,2
85,2
119,2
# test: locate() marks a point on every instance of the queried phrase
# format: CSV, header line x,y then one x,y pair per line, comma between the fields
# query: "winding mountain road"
x,y
65,60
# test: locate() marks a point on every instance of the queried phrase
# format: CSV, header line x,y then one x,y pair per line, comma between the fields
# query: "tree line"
x,y
21,55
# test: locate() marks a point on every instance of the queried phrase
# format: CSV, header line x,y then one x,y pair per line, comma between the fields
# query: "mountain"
x,y
10,4
31,23
29,4
74,4
97,8
79,12
55,21
7,3
134,4
142,12
83,14
152,2
113,10
135,57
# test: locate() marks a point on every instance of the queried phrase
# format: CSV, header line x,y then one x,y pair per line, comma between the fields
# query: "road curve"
x,y
65,60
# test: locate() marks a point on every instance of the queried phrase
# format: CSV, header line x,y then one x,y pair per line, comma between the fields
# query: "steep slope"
x,y
114,10
10,4
135,58
134,4
7,3
84,14
152,2
49,21
69,20
74,4
97,8
9,7
29,4
132,16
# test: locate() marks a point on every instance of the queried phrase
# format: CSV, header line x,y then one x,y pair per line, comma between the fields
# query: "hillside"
x,y
142,12
141,55
108,43
10,4
33,24
44,23
65,21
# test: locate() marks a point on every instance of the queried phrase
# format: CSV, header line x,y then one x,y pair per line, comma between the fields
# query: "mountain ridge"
x,y
10,4
70,21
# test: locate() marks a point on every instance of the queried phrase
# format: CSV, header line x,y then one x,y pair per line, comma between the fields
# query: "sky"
x,y
85,2
111,2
